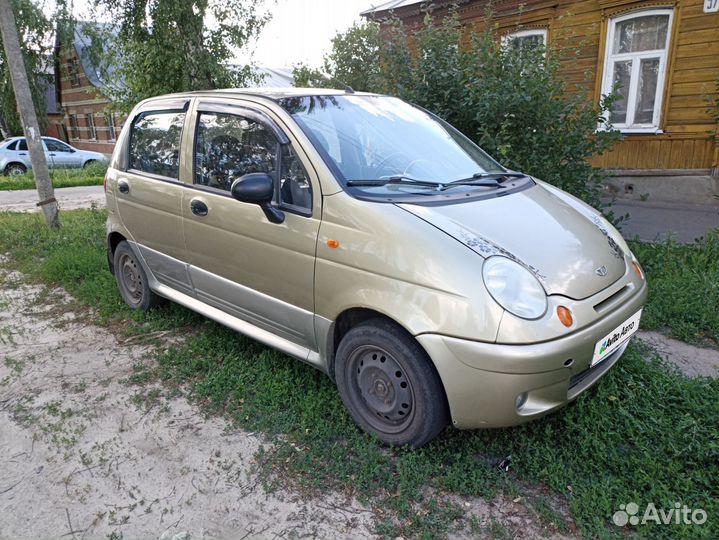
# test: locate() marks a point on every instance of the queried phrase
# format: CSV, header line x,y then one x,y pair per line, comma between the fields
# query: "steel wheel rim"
x,y
380,389
16,171
130,278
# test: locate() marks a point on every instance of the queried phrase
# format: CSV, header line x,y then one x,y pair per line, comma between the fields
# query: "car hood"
x,y
569,249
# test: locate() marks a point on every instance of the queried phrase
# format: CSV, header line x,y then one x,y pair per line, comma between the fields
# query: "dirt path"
x,y
70,198
692,361
79,459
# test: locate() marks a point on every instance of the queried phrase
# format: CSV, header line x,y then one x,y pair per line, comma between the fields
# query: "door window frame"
x,y
244,110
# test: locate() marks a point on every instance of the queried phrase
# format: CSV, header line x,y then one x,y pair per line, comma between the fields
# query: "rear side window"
x,y
22,145
155,142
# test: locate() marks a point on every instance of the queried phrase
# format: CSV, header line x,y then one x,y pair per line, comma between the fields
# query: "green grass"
x,y
683,288
645,434
92,175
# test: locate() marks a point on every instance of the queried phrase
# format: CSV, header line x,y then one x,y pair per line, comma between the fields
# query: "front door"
x,y
258,271
61,154
149,191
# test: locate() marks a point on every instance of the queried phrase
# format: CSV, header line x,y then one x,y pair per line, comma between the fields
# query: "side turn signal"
x,y
565,316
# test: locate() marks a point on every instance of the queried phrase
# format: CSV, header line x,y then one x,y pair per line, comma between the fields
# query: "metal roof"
x,y
392,4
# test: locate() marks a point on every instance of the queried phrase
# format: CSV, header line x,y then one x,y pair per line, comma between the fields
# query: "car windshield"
x,y
375,138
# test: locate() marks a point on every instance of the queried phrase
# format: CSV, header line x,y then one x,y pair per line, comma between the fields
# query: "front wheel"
x,y
389,385
132,280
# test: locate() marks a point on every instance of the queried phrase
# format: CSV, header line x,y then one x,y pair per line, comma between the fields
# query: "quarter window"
x,y
635,68
155,142
295,187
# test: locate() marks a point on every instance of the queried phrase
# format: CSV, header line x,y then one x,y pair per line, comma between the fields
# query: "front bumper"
x,y
484,380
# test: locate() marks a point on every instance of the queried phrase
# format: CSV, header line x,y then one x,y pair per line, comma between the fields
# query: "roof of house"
x,y
388,6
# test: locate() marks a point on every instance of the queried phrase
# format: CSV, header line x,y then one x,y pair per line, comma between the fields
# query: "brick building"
x,y
86,122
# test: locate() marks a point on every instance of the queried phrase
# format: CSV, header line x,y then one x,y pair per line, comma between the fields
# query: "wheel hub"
x,y
131,278
383,386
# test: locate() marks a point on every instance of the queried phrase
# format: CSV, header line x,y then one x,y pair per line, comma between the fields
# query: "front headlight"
x,y
514,287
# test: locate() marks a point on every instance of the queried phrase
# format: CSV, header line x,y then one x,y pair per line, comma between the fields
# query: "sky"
x,y
301,30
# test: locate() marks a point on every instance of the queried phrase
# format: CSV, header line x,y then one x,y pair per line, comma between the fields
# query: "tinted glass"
x,y
229,146
295,187
56,146
12,145
155,143
22,145
377,137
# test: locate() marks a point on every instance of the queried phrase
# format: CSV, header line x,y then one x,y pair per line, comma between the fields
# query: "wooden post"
x,y
26,108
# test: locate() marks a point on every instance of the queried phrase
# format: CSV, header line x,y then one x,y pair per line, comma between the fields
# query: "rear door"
x,y
241,263
149,189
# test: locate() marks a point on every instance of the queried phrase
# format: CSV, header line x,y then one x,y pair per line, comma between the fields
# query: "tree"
x,y
35,30
21,86
163,46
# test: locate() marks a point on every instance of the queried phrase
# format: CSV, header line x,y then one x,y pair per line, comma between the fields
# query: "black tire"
x,y
15,169
89,163
132,280
389,385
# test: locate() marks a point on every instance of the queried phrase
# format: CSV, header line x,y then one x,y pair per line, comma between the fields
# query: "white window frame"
x,y
111,128
526,33
636,58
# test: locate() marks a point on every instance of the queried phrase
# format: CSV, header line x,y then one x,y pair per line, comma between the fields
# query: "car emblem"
x,y
601,271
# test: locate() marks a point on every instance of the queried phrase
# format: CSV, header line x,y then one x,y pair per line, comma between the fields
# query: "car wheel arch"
x,y
113,239
11,164
353,317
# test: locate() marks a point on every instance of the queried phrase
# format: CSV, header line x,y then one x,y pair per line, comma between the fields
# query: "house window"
x,y
73,72
635,67
111,129
74,131
91,126
526,39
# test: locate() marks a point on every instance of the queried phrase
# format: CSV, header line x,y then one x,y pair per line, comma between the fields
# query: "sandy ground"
x,y
80,459
70,198
690,360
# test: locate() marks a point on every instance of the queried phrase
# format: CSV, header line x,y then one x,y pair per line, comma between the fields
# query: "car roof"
x,y
273,94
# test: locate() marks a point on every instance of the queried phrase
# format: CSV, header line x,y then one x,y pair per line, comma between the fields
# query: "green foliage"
x,y
162,46
644,434
683,287
512,101
34,32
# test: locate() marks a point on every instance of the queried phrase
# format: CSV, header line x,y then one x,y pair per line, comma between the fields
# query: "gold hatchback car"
x,y
372,240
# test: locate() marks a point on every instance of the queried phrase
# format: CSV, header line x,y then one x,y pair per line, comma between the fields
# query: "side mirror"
x,y
257,188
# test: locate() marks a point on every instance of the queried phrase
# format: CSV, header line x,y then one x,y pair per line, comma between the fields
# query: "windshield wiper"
x,y
476,178
394,180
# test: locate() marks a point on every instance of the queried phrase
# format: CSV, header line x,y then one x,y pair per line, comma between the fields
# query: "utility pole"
x,y
26,108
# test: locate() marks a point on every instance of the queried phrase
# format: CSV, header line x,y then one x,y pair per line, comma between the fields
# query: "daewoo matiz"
x,y
372,240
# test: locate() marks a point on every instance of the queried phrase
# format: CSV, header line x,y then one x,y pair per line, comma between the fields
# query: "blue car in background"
x,y
15,158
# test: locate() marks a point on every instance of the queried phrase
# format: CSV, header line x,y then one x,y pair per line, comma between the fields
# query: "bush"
x,y
511,101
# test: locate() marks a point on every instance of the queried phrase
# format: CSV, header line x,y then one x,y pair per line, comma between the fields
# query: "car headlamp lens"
x,y
514,287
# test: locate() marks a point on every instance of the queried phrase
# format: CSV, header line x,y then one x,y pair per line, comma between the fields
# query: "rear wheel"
x,y
132,280
389,385
15,169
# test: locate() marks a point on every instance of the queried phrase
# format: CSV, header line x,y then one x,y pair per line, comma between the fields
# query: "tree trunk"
x,y
26,108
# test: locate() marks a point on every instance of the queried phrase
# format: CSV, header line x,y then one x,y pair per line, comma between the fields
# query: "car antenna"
x,y
347,88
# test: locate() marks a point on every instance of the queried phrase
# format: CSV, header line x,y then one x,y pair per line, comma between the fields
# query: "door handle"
x,y
198,207
22,154
123,186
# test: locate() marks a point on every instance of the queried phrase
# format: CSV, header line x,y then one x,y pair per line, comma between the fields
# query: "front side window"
x,y
228,146
635,68
56,146
155,142
526,39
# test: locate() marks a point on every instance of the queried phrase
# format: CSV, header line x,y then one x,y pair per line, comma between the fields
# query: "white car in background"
x,y
15,158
